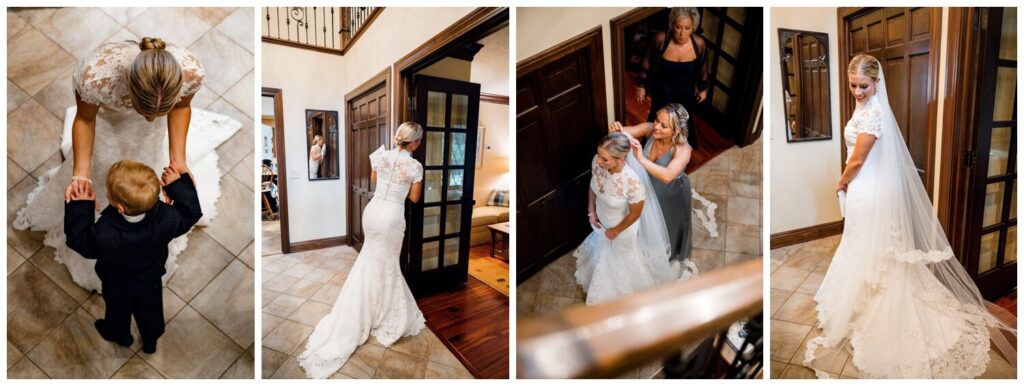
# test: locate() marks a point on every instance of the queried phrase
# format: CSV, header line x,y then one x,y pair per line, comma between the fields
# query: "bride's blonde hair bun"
x,y
154,78
407,133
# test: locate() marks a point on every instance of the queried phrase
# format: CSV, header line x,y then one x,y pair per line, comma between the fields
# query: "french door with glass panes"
x,y
734,51
437,241
992,202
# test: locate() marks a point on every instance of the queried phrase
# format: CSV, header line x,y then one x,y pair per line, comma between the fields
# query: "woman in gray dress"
x,y
666,153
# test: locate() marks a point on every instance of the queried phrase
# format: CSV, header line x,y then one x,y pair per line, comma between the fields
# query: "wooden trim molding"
x,y
289,43
282,174
310,245
618,31
373,16
382,77
474,26
957,119
494,98
800,235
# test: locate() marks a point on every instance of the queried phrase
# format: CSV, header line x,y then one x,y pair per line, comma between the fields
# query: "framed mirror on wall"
x,y
805,85
322,144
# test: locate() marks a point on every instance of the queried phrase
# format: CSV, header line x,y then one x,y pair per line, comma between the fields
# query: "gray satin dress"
x,y
676,200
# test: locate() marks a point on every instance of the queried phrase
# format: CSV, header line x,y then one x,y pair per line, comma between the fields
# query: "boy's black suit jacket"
x,y
125,250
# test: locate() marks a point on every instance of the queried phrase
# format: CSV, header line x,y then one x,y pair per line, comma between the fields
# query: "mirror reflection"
x,y
322,142
805,85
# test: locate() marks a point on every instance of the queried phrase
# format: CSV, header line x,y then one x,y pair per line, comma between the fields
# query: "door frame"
x,y
382,78
478,24
846,103
282,175
618,29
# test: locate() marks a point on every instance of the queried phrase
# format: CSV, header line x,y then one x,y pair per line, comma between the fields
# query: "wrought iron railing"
x,y
706,327
326,29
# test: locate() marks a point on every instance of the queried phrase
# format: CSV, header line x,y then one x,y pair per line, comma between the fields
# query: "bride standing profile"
x,y
375,298
895,295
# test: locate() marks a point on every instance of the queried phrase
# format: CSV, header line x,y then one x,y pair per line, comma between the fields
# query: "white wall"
x,y
540,28
490,65
308,80
804,174
497,148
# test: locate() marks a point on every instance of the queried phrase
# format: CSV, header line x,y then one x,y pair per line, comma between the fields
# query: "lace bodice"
x,y
99,78
867,118
396,172
623,185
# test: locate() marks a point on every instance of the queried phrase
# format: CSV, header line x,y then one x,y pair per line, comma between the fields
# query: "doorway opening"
x,y
273,180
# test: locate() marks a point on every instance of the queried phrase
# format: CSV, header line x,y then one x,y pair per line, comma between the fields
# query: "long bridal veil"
x,y
653,233
908,236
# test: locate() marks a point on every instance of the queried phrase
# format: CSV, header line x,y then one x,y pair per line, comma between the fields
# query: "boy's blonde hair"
x,y
134,186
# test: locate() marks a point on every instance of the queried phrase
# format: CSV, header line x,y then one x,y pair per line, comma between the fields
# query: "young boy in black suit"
x,y
129,243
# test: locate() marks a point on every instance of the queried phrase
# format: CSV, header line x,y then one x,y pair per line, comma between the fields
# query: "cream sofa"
x,y
482,217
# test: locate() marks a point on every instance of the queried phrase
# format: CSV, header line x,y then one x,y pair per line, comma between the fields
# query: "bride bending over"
x,y
894,294
628,250
375,298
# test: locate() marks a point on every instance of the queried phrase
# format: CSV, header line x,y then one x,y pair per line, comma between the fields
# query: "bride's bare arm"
x,y
415,191
669,172
860,153
83,136
177,132
592,208
631,217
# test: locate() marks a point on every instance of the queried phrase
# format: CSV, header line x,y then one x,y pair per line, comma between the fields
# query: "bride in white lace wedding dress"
x,y
895,296
629,247
133,102
375,298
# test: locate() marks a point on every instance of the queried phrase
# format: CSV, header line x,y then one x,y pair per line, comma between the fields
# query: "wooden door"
x,y
367,130
734,51
906,42
560,118
991,237
436,253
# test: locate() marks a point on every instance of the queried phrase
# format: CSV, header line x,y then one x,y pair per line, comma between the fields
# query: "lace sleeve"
x,y
870,121
634,190
95,76
416,170
192,72
375,158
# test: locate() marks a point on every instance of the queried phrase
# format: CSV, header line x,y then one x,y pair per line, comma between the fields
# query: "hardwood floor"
x,y
1009,302
473,323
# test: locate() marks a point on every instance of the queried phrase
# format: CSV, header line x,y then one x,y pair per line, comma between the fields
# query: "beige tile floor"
x,y
732,180
299,289
209,302
796,273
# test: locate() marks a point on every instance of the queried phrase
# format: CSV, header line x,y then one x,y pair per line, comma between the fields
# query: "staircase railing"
x,y
685,324
326,29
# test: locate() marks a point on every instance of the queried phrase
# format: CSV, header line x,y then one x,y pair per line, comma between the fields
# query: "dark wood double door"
x,y
560,118
367,130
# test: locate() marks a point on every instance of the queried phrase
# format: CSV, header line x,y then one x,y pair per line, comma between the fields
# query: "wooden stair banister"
x,y
605,340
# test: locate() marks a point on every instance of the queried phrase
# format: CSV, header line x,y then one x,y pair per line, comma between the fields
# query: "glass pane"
x,y
989,251
999,152
435,148
453,219
720,100
1011,245
431,221
457,155
731,40
432,186
454,185
725,71
1006,88
1013,200
437,103
737,14
451,251
460,111
993,203
430,256
1008,37
710,23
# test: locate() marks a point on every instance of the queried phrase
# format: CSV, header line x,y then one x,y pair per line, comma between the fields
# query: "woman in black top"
x,y
675,68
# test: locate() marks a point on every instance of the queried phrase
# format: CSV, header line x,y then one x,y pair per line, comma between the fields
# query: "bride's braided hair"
x,y
616,144
865,64
407,133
